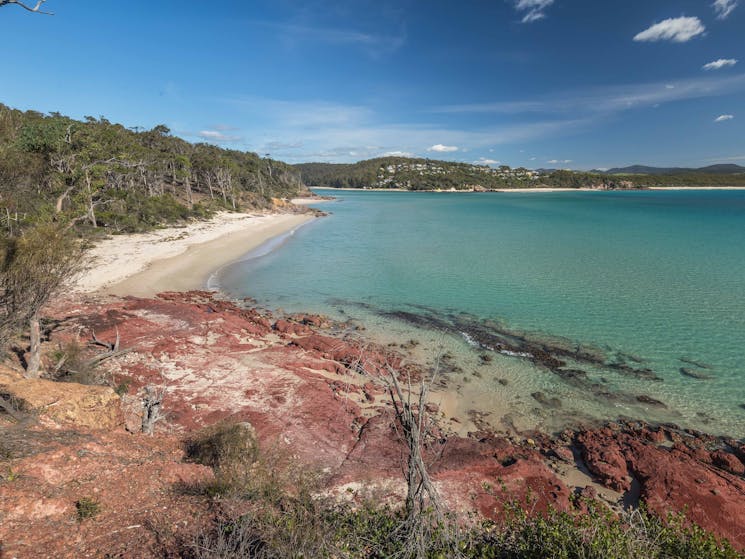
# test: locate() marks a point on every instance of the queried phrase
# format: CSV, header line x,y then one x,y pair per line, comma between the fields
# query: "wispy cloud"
x,y
533,10
218,136
556,161
442,149
723,118
485,161
720,63
374,44
397,153
677,30
724,8
610,99
281,146
729,158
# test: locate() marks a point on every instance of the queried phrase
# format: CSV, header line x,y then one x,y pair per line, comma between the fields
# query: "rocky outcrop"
x,y
318,397
675,471
134,486
63,402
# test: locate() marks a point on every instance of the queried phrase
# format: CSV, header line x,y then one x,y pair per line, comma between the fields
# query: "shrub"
x,y
87,507
596,534
71,365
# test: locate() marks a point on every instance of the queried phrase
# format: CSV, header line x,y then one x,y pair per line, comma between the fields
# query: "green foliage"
x,y
284,512
231,450
87,507
595,534
122,389
33,266
427,174
306,526
97,174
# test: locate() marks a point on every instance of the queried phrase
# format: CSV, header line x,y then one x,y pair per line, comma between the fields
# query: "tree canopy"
x,y
102,175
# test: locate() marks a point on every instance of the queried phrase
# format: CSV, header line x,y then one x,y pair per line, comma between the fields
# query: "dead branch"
x,y
98,359
152,411
108,345
420,490
35,9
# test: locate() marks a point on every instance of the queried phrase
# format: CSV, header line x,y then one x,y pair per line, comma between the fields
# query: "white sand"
x,y
178,258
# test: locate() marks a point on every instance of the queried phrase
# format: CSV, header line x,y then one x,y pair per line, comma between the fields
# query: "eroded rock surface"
x,y
320,398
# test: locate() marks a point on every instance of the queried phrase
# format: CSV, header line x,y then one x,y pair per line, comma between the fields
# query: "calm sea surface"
x,y
649,280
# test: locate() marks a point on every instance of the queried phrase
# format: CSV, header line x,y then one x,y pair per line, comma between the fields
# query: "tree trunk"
x,y
209,185
34,354
91,210
189,198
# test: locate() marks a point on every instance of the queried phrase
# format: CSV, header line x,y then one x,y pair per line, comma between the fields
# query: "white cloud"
x,y
724,8
331,131
677,30
722,118
217,136
485,161
555,161
721,63
534,9
610,99
397,153
443,149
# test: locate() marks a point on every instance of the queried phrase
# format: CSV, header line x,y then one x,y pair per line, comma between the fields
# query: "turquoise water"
x,y
652,279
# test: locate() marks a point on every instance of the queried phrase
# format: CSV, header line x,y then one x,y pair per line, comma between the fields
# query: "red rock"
x,y
605,459
728,462
678,479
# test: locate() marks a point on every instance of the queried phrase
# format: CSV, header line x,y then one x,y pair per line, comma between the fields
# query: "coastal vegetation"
x,y
284,512
63,180
426,174
100,176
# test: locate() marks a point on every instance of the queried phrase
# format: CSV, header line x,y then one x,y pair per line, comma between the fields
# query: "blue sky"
x,y
540,83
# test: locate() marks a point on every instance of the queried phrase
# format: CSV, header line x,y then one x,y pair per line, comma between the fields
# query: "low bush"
x,y
283,513
87,507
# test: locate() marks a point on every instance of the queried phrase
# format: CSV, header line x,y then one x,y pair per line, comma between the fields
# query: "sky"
x,y
576,84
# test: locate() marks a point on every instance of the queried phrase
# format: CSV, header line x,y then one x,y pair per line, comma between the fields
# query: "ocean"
x,y
550,309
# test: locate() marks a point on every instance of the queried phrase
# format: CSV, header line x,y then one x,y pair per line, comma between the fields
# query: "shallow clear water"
x,y
658,276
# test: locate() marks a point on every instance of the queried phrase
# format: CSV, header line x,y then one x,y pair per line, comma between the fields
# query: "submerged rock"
x,y
644,399
541,398
688,372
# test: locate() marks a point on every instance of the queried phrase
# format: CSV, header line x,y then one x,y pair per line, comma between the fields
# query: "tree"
x,y
36,8
34,266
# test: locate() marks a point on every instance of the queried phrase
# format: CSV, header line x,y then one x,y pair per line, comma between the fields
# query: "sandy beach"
x,y
179,258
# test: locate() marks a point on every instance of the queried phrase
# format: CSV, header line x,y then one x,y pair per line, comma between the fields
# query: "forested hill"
x,y
100,175
720,169
428,174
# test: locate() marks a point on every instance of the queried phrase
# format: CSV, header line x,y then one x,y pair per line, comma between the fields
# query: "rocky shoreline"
x,y
315,390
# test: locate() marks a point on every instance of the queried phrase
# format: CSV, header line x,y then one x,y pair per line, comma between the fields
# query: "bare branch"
x,y
152,411
35,9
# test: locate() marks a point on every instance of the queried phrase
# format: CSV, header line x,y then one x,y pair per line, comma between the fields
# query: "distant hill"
x,y
414,174
720,169
430,174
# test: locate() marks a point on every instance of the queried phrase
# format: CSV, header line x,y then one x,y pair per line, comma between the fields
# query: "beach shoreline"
x,y
533,190
179,258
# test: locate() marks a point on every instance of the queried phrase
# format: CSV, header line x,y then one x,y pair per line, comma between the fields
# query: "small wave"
x,y
265,248
469,340
515,353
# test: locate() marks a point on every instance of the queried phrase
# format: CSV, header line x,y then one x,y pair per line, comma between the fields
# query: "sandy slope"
x,y
178,258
